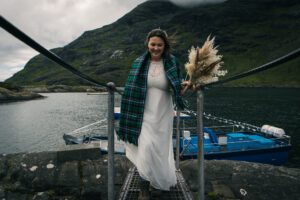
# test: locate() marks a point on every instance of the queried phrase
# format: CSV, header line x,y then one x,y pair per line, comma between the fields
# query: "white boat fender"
x,y
272,130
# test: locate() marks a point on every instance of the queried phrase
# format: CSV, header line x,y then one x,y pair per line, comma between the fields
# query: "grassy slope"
x,y
249,33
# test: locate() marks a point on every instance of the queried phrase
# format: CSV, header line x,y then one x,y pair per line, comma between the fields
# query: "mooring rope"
x,y
6,25
242,125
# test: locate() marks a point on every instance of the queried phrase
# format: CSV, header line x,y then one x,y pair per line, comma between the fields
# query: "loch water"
x,y
38,125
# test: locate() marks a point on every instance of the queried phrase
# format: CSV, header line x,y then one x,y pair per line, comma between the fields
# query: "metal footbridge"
x,y
130,188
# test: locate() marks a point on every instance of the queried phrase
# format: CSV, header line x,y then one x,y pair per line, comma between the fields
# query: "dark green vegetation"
x,y
249,33
10,92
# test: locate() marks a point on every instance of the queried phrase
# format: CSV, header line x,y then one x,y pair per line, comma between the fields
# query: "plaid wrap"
x,y
134,96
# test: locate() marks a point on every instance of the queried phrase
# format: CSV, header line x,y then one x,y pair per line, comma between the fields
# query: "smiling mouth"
x,y
156,52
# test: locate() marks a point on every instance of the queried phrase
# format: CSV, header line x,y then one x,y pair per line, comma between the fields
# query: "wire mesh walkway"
x,y
130,189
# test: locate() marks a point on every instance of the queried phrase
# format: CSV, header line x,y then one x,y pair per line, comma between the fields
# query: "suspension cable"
x,y
274,63
269,65
52,56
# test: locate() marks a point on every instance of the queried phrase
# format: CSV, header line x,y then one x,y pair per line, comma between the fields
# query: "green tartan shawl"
x,y
134,96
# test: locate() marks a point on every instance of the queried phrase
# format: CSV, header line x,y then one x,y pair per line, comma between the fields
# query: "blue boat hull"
x,y
241,146
273,156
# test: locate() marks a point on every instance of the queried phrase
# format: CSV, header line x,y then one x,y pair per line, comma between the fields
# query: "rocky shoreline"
x,y
63,88
7,95
11,93
80,172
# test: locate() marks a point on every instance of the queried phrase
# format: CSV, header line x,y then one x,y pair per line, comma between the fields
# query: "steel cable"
x,y
52,56
6,25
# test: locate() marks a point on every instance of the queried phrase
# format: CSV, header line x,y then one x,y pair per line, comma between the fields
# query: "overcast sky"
x,y
55,23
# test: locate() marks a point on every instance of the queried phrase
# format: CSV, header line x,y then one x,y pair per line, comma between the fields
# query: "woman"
x,y
147,112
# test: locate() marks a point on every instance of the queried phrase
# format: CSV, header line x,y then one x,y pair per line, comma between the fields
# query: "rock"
x,y
94,187
37,89
3,166
68,179
16,196
59,88
266,181
50,195
122,165
94,178
260,181
7,95
41,196
87,178
63,88
222,190
22,165
11,86
2,193
117,54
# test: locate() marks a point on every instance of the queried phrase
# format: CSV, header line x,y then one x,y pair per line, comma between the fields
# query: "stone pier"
x,y
79,172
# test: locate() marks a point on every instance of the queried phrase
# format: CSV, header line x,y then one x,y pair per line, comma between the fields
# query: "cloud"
x,y
55,23
52,23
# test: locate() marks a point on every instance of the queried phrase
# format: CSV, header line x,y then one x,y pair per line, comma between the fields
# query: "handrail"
x,y
111,141
111,88
52,56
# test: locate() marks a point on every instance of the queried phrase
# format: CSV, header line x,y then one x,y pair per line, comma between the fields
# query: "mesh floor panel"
x,y
131,188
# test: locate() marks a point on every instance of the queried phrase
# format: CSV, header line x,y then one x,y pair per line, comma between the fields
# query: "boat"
x,y
97,93
234,141
261,147
70,139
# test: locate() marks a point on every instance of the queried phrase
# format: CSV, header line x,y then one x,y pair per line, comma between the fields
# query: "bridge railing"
x,y
112,89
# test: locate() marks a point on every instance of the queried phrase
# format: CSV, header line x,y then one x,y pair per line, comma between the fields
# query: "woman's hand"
x,y
185,86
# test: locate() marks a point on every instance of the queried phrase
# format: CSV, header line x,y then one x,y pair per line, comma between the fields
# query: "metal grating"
x,y
130,189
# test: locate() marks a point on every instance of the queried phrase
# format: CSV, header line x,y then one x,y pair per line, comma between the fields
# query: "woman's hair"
x,y
161,34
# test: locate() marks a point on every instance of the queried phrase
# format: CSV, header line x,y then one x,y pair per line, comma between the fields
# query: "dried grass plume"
x,y
204,64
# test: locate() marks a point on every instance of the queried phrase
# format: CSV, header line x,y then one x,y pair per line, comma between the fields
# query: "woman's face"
x,y
156,47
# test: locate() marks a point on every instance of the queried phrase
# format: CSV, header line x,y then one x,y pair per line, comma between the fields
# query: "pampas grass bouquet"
x,y
204,65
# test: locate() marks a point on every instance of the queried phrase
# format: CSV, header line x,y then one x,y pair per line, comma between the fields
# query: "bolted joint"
x,y
111,86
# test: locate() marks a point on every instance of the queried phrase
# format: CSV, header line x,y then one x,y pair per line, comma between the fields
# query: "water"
x,y
279,107
38,125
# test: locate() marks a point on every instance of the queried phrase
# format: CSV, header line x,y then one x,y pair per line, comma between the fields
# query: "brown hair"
x,y
161,34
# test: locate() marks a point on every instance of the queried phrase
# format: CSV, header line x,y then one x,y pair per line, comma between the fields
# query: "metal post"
x,y
177,138
200,100
111,145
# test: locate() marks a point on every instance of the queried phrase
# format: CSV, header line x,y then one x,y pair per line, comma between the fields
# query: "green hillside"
x,y
248,32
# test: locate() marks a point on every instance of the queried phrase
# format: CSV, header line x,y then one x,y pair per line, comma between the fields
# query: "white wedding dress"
x,y
154,157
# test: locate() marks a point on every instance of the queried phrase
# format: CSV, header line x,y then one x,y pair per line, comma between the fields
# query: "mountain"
x,y
249,33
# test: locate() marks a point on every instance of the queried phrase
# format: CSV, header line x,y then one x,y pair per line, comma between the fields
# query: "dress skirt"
x,y
154,157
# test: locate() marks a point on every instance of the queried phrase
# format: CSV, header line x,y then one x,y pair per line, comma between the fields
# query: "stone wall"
x,y
74,173
80,172
230,179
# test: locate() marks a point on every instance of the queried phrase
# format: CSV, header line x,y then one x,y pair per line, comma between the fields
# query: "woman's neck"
x,y
156,59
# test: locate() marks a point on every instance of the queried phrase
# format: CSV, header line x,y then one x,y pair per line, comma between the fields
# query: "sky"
x,y
55,23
